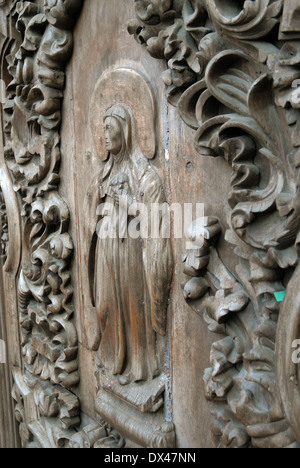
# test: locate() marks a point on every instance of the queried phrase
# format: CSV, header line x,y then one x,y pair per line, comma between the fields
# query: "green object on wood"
x,y
279,296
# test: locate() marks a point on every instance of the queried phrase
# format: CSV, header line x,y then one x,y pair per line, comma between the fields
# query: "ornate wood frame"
x,y
37,43
232,71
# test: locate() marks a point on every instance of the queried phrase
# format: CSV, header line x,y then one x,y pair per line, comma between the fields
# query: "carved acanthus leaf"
x,y
39,50
238,88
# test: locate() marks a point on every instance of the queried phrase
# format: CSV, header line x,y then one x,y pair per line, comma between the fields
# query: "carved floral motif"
x,y
36,59
231,72
233,81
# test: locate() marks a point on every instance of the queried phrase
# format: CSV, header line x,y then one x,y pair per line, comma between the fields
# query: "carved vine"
x,y
38,52
231,72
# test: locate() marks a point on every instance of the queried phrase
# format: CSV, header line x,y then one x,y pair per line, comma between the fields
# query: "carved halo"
x,y
123,85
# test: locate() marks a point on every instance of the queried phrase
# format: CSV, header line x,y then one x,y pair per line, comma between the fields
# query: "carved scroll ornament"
x,y
38,50
232,71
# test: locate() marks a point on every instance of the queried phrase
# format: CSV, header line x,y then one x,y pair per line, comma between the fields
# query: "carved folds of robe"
x,y
132,274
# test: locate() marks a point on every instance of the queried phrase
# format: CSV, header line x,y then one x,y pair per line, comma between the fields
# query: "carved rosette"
x,y
39,49
232,71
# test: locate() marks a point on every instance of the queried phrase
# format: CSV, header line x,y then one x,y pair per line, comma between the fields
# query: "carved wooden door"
x,y
149,223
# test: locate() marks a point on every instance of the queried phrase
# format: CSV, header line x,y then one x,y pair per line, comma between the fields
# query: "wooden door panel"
x,y
111,109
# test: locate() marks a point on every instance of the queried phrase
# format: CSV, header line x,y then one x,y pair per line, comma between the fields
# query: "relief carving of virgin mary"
x,y
131,277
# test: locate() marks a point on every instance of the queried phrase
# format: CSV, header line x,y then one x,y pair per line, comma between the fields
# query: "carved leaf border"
x,y
231,70
196,38
37,52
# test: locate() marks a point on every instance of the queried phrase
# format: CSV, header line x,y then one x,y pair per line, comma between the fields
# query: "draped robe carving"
x,y
131,275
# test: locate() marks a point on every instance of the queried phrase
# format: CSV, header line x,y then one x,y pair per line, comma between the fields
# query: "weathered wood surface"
x,y
237,86
108,342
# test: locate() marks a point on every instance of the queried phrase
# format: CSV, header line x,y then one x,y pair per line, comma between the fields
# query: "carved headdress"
x,y
124,115
114,88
